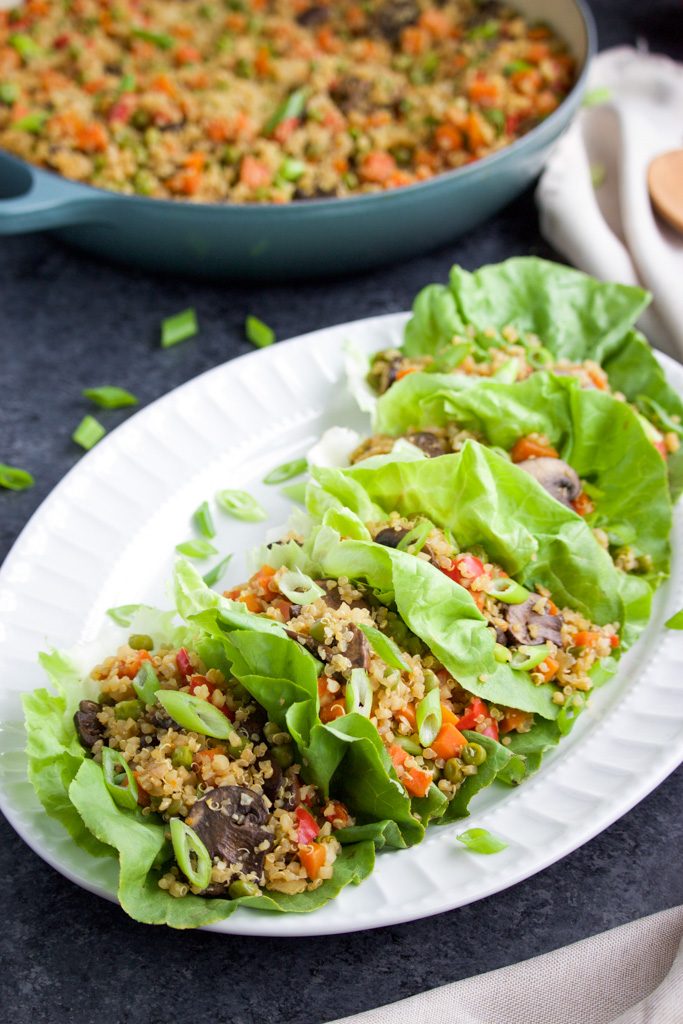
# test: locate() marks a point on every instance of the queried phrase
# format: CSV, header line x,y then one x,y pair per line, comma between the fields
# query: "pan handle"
x,y
33,200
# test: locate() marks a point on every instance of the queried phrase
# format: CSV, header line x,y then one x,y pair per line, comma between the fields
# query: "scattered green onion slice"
x,y
25,46
517,65
480,840
286,471
119,779
526,657
676,621
408,744
159,39
258,333
195,714
32,123
109,397
15,479
203,520
123,614
504,589
596,96
180,327
598,175
127,84
298,587
293,106
9,93
190,853
384,647
241,505
359,693
429,717
146,683
296,492
213,575
502,654
88,432
540,358
197,548
416,538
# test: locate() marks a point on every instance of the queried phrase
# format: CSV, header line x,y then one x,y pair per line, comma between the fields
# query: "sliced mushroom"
x,y
393,16
558,479
272,785
358,648
530,627
88,725
333,598
229,821
313,16
431,444
391,536
351,93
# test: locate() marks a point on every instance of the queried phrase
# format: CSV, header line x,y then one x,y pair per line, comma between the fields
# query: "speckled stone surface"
x,y
67,957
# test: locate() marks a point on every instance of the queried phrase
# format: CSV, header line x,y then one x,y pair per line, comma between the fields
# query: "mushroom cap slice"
x,y
229,821
88,725
531,627
558,479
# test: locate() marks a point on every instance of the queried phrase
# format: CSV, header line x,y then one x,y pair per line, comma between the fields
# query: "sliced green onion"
x,y
146,683
195,714
359,693
480,840
32,123
9,93
213,575
488,30
159,39
540,358
241,505
408,744
504,589
416,538
596,96
24,45
190,853
296,492
286,471
568,714
15,479
293,106
526,657
298,587
127,84
119,779
675,622
258,333
291,169
429,717
197,548
203,520
384,647
123,614
495,117
598,175
517,65
502,654
109,397
180,327
88,432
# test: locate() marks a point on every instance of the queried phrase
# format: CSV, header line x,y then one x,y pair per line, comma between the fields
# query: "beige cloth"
x,y
630,975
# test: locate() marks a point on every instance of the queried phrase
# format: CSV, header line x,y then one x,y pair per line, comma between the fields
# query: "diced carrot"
x,y
426,158
585,638
548,669
399,179
162,83
377,166
514,720
435,22
186,183
538,32
253,173
356,18
474,129
337,814
341,164
195,161
261,579
448,138
552,607
407,712
313,858
405,372
236,22
448,716
536,52
483,91
414,40
94,85
131,666
546,102
327,41
92,138
253,603
397,754
449,741
532,448
583,505
527,81
335,710
219,129
285,128
262,63
187,54
599,378
417,781
283,606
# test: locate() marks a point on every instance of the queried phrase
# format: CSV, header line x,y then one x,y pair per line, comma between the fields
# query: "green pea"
x,y
453,770
182,757
271,729
318,631
129,709
474,753
284,756
141,642
240,888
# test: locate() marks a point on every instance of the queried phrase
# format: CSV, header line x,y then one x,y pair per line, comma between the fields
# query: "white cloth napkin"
x,y
609,228
629,975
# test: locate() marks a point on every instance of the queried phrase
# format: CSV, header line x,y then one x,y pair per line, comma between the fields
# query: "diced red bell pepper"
x,y
197,681
183,662
469,720
465,569
307,826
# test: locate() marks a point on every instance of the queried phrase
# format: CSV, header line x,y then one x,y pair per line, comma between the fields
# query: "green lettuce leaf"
x,y
601,437
434,323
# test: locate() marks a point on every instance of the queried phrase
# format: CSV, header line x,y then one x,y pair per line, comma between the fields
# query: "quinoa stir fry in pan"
x,y
271,100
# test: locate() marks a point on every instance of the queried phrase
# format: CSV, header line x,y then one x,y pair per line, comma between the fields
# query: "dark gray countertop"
x,y
68,322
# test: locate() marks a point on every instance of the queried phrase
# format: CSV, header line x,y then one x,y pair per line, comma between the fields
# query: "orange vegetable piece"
x,y
397,754
253,173
483,91
548,669
355,18
414,40
531,448
377,166
405,372
448,138
408,713
335,710
448,716
585,638
92,138
583,505
514,720
132,666
417,781
313,859
337,814
262,61
435,22
261,579
475,131
252,602
449,741
187,54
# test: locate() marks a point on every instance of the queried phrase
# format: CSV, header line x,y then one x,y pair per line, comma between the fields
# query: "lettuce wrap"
x,y
599,436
